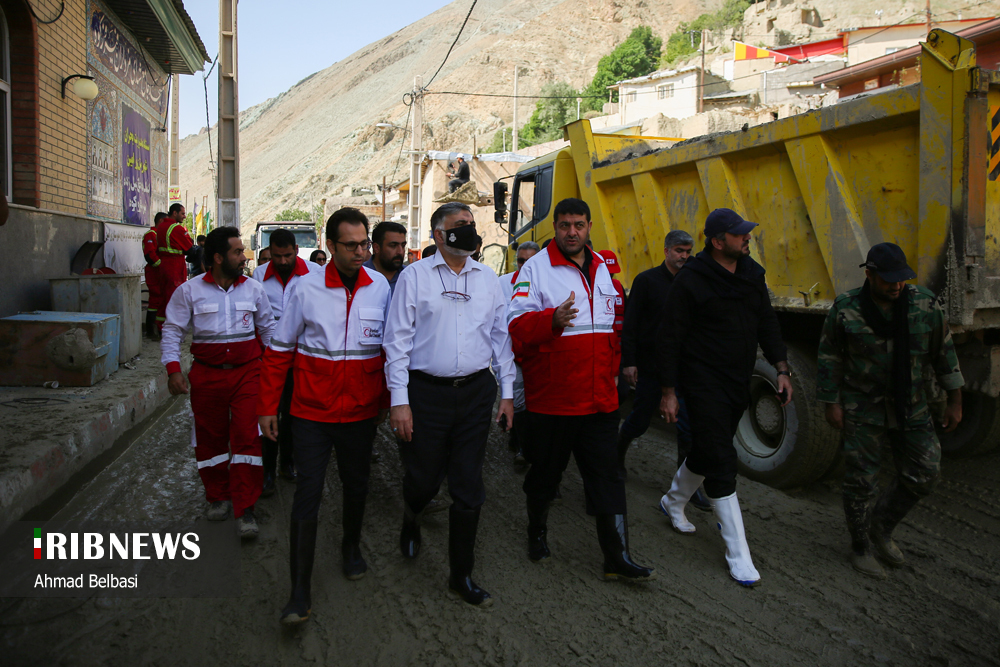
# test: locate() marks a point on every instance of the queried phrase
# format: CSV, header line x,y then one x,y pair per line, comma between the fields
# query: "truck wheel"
x,y
791,445
979,430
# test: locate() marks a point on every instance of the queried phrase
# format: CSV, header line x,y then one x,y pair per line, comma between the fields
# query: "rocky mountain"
x,y
320,135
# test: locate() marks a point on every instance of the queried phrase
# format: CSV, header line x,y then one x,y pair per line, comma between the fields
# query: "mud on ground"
x,y
942,608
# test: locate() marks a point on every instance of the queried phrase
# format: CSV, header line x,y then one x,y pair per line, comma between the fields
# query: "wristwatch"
x,y
785,373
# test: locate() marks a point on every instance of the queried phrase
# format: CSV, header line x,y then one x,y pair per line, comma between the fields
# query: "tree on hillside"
x,y
293,215
636,56
686,40
550,115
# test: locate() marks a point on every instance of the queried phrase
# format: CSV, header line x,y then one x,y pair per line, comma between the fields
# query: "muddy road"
x,y
942,608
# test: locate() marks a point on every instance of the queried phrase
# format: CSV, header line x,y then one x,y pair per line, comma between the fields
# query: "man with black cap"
x,y
876,343
716,315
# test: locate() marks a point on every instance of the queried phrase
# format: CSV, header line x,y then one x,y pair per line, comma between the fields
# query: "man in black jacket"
x,y
717,313
643,315
460,176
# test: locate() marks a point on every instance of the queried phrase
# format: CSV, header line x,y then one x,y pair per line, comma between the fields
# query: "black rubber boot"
x,y
700,501
462,527
269,449
859,514
409,536
302,545
623,445
354,563
151,324
612,533
894,504
538,515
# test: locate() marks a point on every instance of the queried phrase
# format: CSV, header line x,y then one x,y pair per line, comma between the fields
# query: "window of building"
x,y
5,123
665,91
892,49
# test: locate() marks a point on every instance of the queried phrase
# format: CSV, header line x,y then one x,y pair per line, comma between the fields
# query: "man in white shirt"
x,y
225,311
447,320
278,275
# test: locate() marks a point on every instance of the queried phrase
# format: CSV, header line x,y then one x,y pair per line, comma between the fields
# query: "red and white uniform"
x,y
225,380
332,339
172,241
567,371
277,291
152,271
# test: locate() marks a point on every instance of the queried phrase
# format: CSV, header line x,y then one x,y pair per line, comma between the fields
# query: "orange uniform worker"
x,y
152,271
172,241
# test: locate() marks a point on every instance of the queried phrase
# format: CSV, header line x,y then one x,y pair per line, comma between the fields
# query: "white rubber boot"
x,y
741,567
673,503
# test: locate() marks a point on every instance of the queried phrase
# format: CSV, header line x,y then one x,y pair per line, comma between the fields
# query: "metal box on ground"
x,y
75,349
113,294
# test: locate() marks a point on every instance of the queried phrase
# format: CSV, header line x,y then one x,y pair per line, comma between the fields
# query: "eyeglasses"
x,y
521,260
453,295
354,245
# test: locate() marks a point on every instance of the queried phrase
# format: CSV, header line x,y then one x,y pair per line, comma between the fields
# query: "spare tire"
x,y
786,446
979,430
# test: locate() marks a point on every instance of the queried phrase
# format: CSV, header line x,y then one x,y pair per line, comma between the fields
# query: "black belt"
x,y
449,382
224,367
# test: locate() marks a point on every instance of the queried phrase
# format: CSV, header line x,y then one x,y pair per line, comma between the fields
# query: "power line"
x,y
452,44
402,142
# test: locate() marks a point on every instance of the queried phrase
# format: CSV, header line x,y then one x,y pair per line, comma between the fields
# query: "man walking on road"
x,y
571,360
283,269
876,343
445,325
646,304
172,242
225,311
155,304
330,335
717,312
388,251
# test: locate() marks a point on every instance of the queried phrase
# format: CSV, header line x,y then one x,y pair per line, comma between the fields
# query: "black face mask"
x,y
462,238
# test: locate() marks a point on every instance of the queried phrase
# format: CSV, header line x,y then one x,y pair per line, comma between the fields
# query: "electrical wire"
x,y
452,44
402,140
208,124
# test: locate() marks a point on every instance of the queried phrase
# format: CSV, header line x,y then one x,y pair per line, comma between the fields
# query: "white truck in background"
x,y
305,238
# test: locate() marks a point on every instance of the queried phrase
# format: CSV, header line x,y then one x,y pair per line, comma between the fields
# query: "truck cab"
x,y
305,237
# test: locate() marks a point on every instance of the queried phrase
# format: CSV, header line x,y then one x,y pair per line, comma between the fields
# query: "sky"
x,y
279,48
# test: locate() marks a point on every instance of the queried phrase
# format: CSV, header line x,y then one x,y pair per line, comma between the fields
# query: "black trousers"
x,y
450,428
284,443
314,441
592,440
713,455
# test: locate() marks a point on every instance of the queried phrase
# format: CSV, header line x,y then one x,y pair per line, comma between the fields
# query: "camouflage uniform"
x,y
855,370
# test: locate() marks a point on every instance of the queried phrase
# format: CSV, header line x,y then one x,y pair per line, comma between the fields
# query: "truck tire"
x,y
979,430
786,446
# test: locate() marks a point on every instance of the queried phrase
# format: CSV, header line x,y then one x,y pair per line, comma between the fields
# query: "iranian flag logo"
x,y
38,543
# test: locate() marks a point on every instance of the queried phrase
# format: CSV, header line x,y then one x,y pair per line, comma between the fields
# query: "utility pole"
x,y
514,139
227,209
701,76
175,108
383,199
416,149
928,17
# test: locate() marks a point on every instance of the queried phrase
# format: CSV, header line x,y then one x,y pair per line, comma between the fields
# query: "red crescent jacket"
x,y
333,340
172,241
567,371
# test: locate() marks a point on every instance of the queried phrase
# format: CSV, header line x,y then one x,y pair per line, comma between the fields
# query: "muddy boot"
x,y
683,486
354,563
623,444
462,527
538,515
409,536
859,513
269,449
741,569
612,533
894,504
302,547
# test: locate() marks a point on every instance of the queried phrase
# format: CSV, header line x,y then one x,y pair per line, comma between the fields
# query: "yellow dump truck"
x,y
915,165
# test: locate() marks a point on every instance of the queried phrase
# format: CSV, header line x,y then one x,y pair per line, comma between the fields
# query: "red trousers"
x,y
173,273
155,288
227,447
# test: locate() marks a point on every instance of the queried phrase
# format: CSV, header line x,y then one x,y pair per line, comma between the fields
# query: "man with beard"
x,y
173,242
225,312
643,315
876,344
445,325
388,251
717,313
331,337
284,269
571,361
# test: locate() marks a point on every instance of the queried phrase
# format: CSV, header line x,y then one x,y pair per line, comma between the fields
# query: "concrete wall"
x,y
680,102
870,43
38,245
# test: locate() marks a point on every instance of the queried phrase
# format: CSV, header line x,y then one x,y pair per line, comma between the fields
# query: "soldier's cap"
x,y
726,220
889,262
610,261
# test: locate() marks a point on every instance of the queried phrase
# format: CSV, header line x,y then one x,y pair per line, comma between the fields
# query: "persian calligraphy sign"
x,y
137,181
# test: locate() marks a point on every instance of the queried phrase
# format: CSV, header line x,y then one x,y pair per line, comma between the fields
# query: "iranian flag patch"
x,y
521,289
